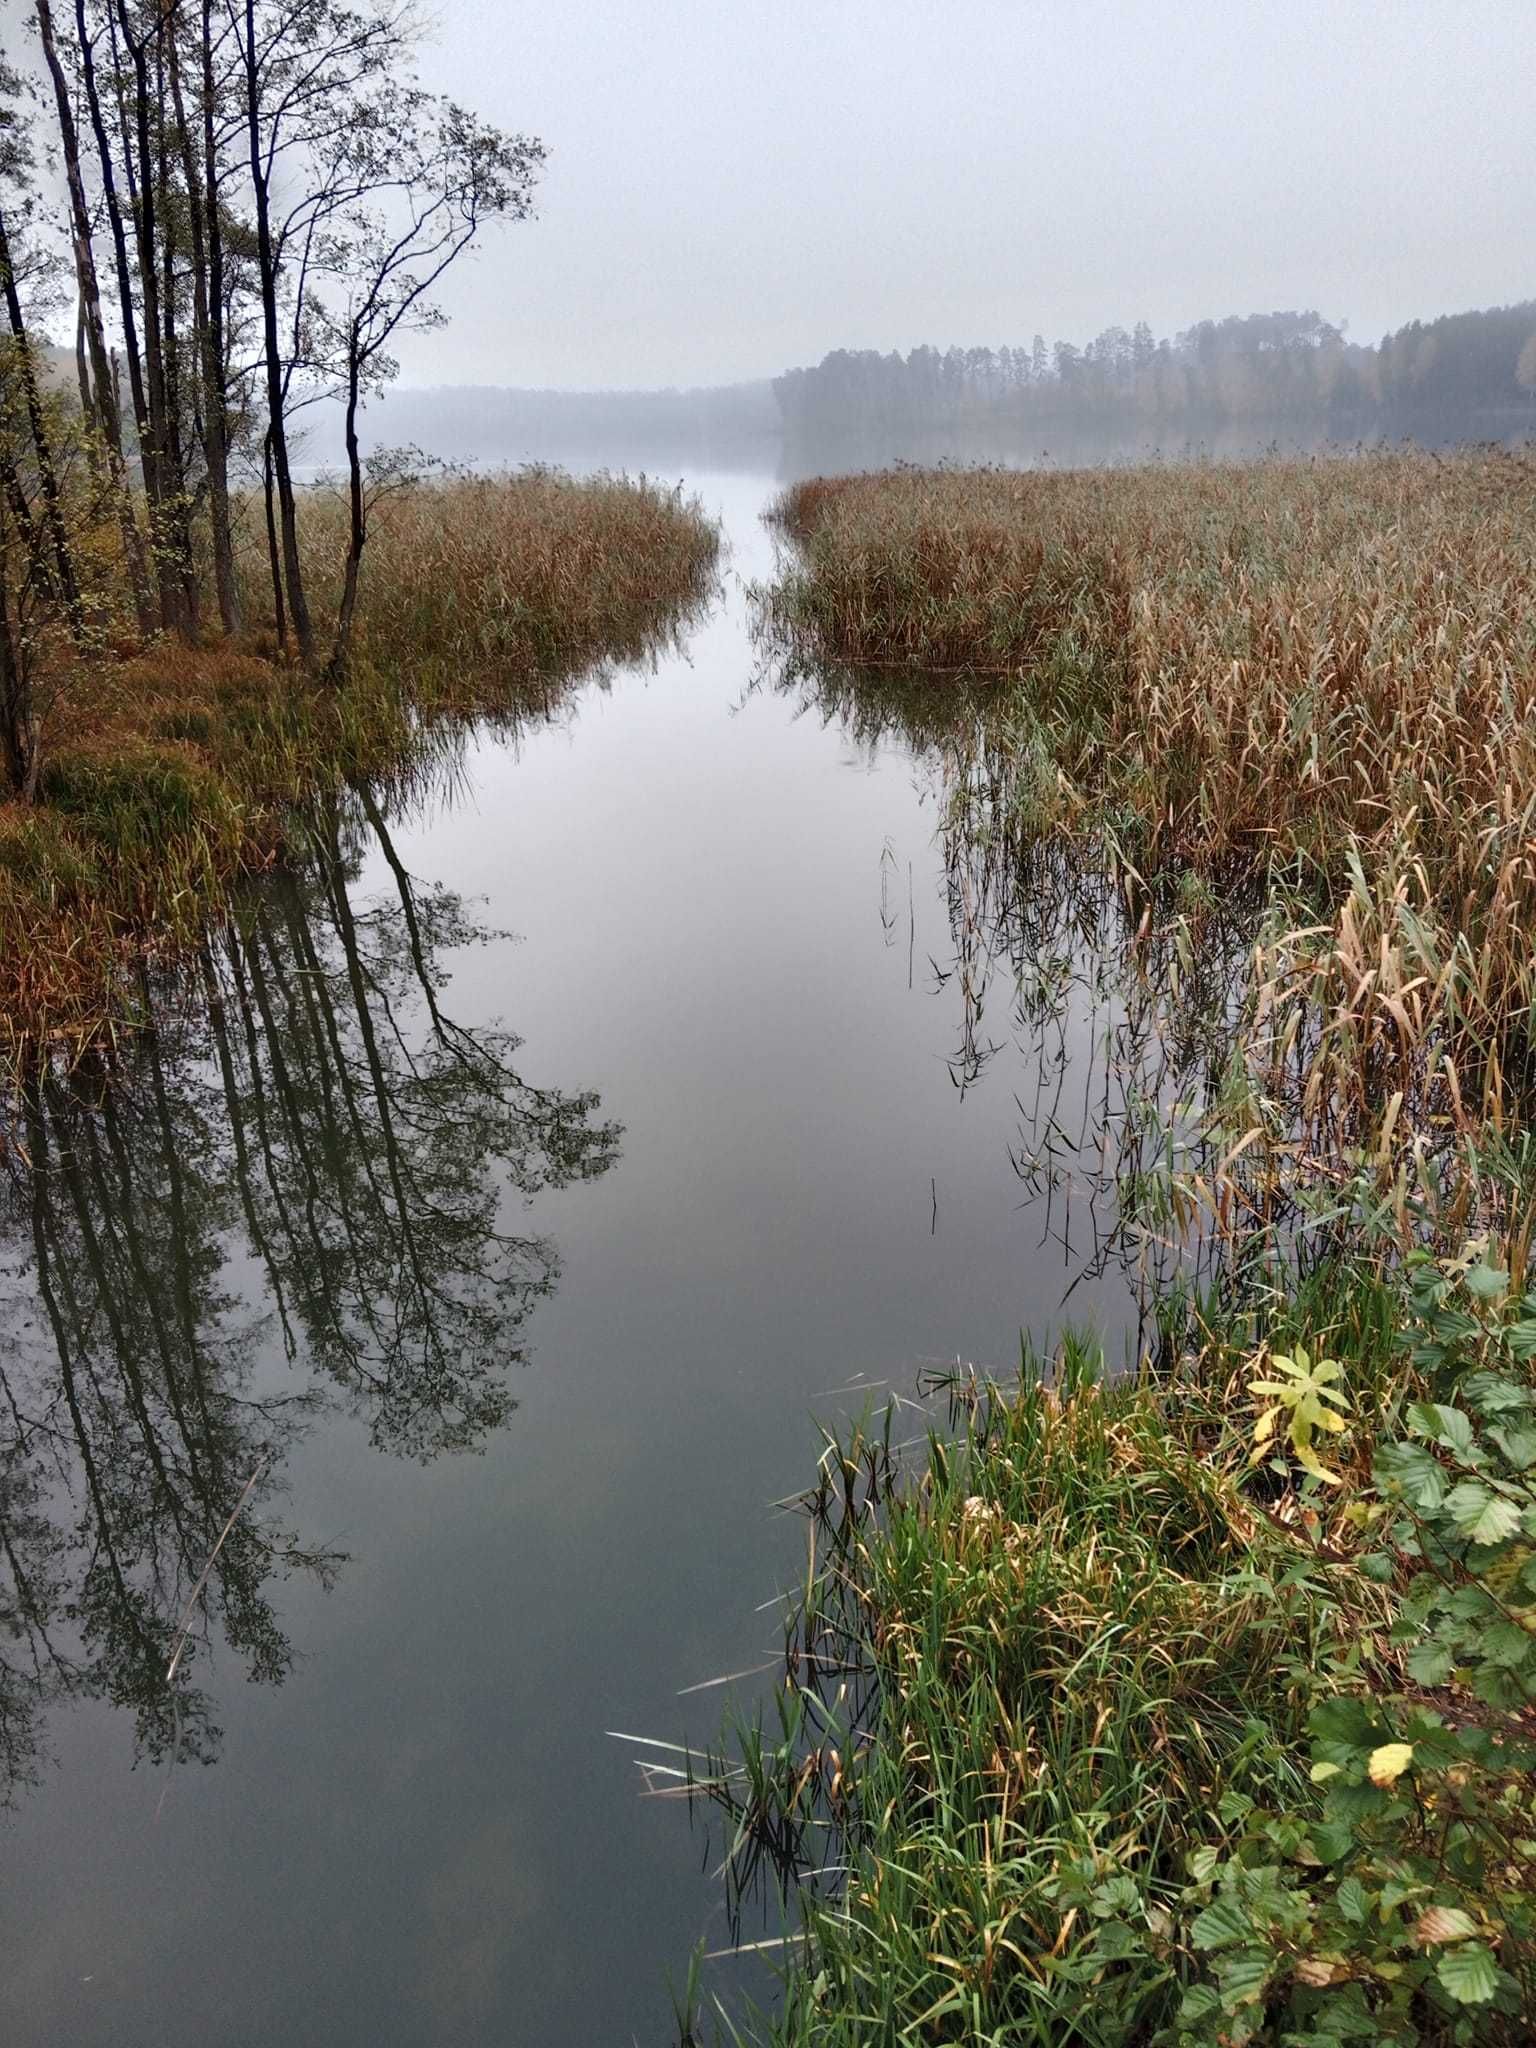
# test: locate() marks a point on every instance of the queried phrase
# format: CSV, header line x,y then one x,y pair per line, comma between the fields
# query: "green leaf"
x,y
1243,1976
1333,1839
1345,1720
1200,2002
1518,1446
1507,1644
1409,1470
1468,1974
1116,1895
1451,1427
1481,1516
1352,1803
1115,1941
1431,1663
1222,1922
1487,1283
1352,1901
1489,1393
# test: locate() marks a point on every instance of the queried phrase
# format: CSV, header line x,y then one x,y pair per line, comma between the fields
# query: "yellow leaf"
x,y
1309,1461
1388,1763
1443,1923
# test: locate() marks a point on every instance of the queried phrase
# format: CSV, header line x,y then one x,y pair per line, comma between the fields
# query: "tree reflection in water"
x,y
304,1147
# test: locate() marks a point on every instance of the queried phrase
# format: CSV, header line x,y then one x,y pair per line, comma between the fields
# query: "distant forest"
x,y
1291,377
1226,386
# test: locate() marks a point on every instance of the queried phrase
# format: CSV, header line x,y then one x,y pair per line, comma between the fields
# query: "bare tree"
x,y
98,396
436,176
304,64
17,208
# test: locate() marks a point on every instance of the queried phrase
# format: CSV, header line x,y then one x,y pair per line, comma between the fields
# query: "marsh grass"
x,y
170,772
485,583
1313,680
1027,1678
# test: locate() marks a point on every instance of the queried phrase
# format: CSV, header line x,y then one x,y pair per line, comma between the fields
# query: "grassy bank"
x,y
1108,1734
1198,1705
167,773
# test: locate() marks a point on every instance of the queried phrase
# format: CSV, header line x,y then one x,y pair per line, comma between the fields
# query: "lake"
x,y
513,1346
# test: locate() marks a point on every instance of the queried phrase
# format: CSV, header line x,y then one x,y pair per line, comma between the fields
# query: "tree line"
x,y
1286,375
244,203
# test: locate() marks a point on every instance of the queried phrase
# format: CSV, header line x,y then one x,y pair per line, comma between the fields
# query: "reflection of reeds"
x,y
169,774
1309,683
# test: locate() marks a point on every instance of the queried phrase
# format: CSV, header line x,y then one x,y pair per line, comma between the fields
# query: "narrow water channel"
x,y
518,1388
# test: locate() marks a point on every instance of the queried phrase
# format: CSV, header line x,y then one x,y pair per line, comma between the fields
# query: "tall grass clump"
x,y
481,583
1026,1680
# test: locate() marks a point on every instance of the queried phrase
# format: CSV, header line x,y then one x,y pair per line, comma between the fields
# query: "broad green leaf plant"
x,y
1399,1905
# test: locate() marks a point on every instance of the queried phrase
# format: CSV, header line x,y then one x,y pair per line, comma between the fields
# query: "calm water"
x,y
518,1388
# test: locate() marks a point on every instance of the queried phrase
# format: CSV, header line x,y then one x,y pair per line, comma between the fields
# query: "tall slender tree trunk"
x,y
274,556
104,411
218,400
147,465
358,537
42,447
209,350
17,710
83,382
170,348
293,574
139,163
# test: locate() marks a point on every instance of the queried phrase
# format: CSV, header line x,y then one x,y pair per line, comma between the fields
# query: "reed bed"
x,y
1314,677
1279,659
484,582
169,773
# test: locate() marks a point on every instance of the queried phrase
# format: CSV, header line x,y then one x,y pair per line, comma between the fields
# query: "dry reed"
x,y
170,772
1318,674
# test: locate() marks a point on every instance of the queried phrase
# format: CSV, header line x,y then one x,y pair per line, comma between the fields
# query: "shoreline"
x,y
1194,1707
167,775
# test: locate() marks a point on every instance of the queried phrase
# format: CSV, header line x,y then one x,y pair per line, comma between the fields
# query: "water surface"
x,y
521,1180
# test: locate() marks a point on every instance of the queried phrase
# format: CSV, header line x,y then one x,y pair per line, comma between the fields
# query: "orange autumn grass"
x,y
171,772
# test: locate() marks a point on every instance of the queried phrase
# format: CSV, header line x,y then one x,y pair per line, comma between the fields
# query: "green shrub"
x,y
1398,1905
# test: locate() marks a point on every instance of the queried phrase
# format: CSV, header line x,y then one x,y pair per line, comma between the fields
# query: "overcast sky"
x,y
738,186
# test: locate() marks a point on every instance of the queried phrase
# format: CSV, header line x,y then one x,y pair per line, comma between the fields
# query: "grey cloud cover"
x,y
736,188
